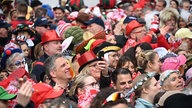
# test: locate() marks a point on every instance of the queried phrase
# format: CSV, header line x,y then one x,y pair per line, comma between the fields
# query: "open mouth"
x,y
180,86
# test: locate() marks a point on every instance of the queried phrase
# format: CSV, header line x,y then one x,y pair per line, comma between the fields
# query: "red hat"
x,y
42,92
80,48
50,35
96,43
131,26
87,58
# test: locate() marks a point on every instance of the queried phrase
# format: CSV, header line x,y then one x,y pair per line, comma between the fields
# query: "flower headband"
x,y
140,83
166,74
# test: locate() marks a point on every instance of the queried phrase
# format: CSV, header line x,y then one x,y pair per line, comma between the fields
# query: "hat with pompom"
x,y
62,27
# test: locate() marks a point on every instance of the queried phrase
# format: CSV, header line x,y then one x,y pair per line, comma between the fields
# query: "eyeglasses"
x,y
93,84
18,62
112,98
141,31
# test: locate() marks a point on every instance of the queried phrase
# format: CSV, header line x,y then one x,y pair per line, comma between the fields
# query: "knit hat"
x,y
62,27
76,32
183,33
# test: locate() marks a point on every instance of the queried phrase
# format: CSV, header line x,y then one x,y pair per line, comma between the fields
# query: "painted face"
x,y
94,70
113,59
111,39
62,70
174,82
53,47
124,81
90,83
18,62
25,50
153,88
59,14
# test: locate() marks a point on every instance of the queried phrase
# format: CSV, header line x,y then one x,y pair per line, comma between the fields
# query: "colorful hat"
x,y
62,27
4,24
76,4
23,27
80,47
183,33
7,53
4,95
107,4
50,35
42,92
19,73
131,26
188,74
86,58
173,63
95,20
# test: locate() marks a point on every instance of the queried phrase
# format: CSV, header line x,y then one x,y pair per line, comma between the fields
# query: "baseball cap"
x,y
173,63
59,7
4,95
95,20
41,21
4,24
44,91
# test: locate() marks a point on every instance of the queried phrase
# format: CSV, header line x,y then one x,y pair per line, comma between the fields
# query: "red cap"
x,y
96,43
86,58
131,26
42,92
50,35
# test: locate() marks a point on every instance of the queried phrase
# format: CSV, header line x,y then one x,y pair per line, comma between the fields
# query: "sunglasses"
x,y
112,98
19,63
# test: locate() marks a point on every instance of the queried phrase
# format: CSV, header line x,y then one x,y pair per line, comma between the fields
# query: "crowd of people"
x,y
118,54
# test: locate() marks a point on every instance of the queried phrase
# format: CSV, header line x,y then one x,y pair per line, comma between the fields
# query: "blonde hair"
x,y
78,83
145,57
166,15
145,80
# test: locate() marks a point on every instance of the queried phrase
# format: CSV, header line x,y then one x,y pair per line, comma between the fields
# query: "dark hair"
x,y
122,61
144,46
117,72
102,95
40,12
164,2
131,54
177,3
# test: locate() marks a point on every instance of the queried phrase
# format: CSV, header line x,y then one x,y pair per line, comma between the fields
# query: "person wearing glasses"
x,y
83,89
12,59
145,87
